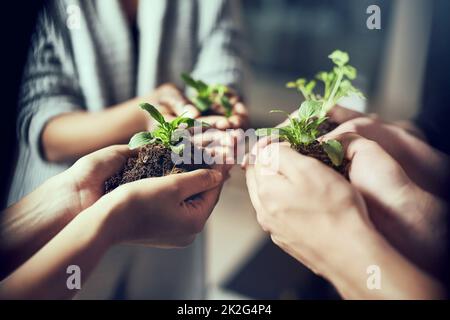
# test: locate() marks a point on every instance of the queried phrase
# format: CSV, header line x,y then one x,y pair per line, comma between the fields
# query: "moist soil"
x,y
153,160
316,151
327,126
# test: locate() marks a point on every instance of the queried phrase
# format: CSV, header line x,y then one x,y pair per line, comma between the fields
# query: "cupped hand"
x,y
306,207
410,218
170,102
163,212
426,166
85,180
239,118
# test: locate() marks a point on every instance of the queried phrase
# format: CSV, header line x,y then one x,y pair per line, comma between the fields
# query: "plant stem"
x,y
329,103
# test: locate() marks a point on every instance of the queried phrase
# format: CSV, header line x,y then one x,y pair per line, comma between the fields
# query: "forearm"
x,y
399,279
73,135
44,276
27,225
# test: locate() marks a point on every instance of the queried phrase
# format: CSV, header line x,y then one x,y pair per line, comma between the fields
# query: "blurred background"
x,y
287,39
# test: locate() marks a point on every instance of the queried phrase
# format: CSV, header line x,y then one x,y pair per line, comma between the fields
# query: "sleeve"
x,y
221,44
49,84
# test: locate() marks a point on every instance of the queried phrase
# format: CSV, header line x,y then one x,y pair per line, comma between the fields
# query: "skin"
x,y
70,136
326,235
41,238
415,225
426,166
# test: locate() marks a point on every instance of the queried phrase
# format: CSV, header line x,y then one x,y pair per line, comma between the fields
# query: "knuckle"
x,y
207,178
174,187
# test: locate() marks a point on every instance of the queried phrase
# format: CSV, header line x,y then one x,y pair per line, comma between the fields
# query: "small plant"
x,y
207,95
166,133
303,129
336,83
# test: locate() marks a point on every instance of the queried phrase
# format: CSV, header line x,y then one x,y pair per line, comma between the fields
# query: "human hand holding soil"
x,y
302,199
411,219
326,235
426,166
163,212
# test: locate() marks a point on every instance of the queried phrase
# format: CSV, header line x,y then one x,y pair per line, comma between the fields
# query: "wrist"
x,y
346,241
101,213
421,211
66,201
351,258
109,208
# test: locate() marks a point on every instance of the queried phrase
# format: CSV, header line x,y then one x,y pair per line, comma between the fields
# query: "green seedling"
x,y
165,133
336,83
303,129
207,95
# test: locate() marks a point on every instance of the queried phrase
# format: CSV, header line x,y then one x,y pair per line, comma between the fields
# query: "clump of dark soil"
x,y
316,151
327,126
153,160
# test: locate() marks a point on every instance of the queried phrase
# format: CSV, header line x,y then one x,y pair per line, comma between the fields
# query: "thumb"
x,y
197,181
354,144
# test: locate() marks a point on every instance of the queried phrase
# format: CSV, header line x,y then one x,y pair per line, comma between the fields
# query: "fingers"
x,y
186,109
171,97
354,143
194,182
219,122
252,187
239,117
287,121
340,114
250,158
106,161
279,158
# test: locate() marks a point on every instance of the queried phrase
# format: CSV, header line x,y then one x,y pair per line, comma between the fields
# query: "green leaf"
x,y
310,86
309,109
202,104
322,76
291,85
140,139
203,88
180,120
189,80
225,102
153,112
339,58
350,72
334,150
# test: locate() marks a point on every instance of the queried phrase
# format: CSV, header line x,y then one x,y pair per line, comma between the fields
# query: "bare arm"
x,y
69,136
72,135
350,271
81,243
27,225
